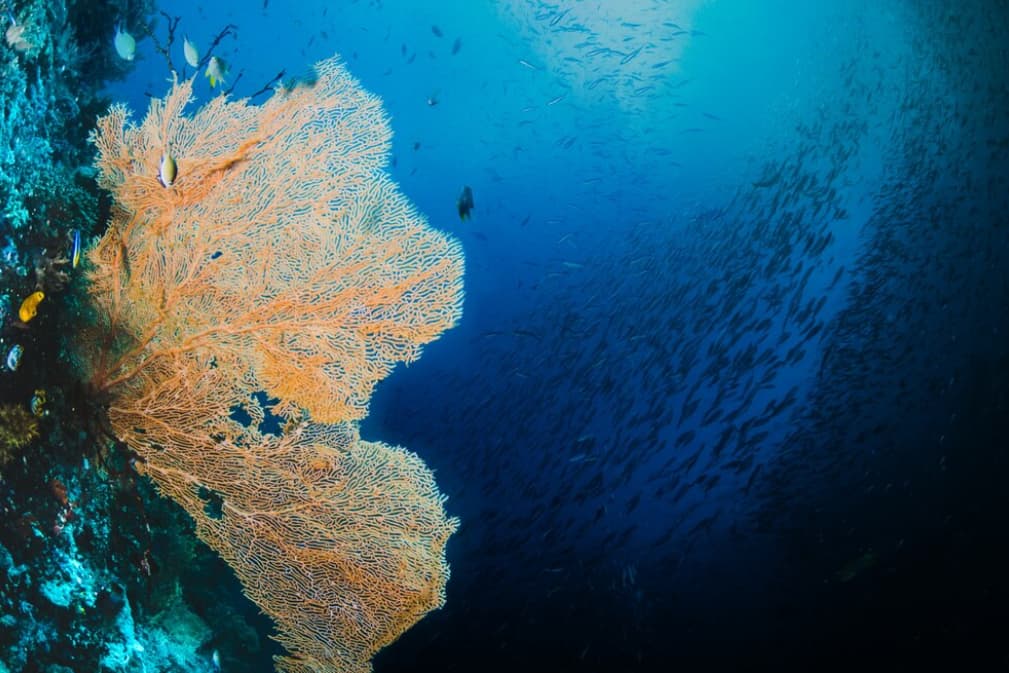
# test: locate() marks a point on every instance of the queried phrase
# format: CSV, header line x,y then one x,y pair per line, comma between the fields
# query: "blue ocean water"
x,y
730,384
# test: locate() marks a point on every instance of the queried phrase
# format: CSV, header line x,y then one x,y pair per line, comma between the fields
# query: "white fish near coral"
x,y
16,35
190,52
16,39
126,46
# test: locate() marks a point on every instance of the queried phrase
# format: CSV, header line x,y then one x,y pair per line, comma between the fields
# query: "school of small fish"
x,y
682,391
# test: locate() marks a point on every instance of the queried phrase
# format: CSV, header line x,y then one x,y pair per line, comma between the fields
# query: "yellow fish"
x,y
75,249
168,171
30,306
216,70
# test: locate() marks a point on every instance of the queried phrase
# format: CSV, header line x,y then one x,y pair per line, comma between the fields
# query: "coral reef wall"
x,y
96,571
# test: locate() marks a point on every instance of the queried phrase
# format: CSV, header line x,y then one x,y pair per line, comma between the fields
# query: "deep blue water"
x,y
730,384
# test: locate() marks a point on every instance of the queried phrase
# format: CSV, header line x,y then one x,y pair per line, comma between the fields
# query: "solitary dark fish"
x,y
436,30
465,203
855,567
456,46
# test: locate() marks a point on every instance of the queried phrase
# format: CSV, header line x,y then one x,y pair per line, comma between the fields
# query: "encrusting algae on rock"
x,y
18,429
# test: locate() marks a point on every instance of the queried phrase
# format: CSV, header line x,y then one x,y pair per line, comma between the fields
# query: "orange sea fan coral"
x,y
275,208
282,260
341,541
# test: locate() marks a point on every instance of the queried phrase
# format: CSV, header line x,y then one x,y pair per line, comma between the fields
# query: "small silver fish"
x,y
190,52
126,46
